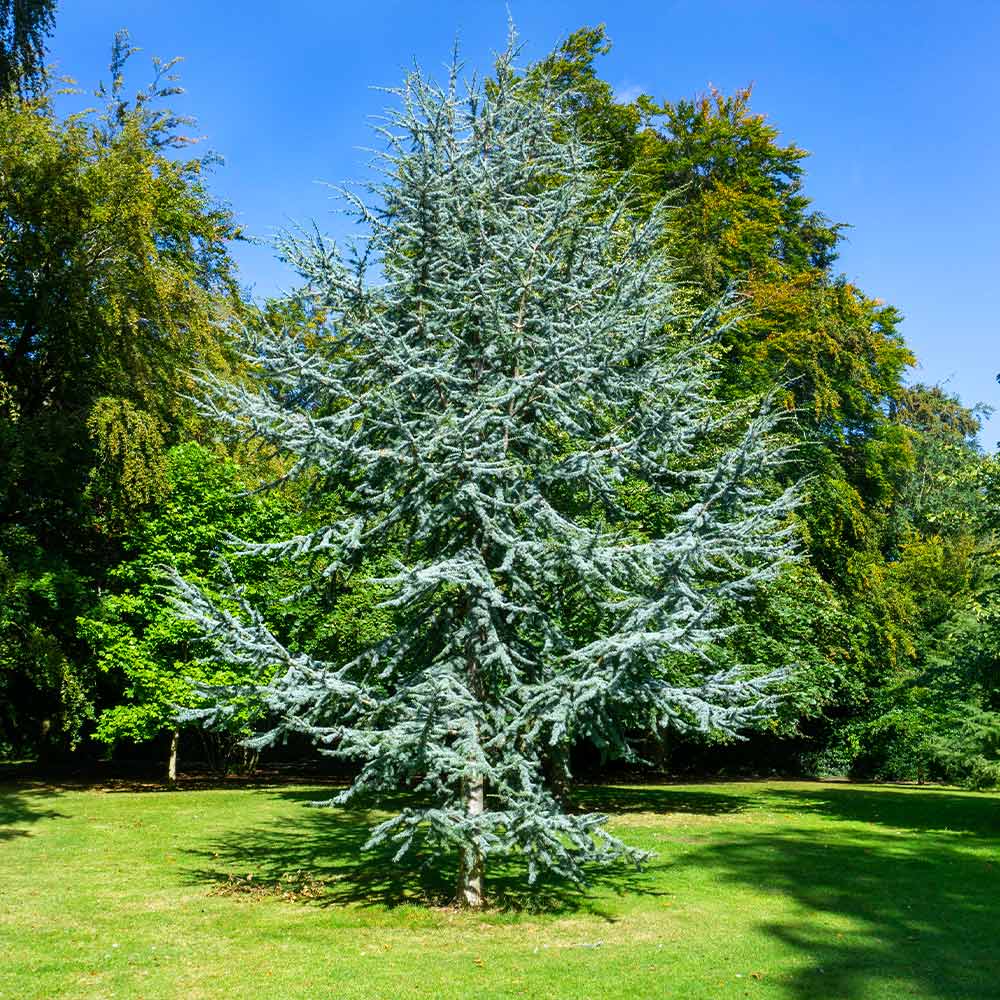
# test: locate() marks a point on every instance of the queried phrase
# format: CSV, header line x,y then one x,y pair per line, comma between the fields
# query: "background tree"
x,y
156,657
493,405
742,220
938,716
24,27
114,274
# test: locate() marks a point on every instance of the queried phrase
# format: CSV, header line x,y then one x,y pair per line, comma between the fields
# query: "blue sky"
x,y
899,103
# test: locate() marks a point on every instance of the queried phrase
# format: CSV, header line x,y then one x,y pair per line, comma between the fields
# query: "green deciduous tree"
x,y
24,26
114,273
154,656
939,716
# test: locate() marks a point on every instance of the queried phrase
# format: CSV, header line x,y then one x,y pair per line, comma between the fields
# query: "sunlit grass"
x,y
782,890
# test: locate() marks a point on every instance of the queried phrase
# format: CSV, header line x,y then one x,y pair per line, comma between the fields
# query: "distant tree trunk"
x,y
557,777
175,737
224,754
470,875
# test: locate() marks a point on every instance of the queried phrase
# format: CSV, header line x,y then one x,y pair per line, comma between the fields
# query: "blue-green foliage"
x,y
503,369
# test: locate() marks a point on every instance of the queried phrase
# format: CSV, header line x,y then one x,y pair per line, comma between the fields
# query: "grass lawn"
x,y
798,891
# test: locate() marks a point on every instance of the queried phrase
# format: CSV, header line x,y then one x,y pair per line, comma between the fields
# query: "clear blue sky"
x,y
899,103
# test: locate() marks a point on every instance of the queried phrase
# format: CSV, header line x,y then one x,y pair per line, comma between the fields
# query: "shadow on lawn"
x,y
19,806
914,913
939,809
325,847
645,799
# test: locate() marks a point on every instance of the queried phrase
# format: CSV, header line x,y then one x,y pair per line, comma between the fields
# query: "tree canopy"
x,y
24,27
879,641
114,277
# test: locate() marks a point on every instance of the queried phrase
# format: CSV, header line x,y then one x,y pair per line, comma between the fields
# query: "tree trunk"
x,y
470,874
172,759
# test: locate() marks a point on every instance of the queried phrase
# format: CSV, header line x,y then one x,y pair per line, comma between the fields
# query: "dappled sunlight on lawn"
x,y
775,890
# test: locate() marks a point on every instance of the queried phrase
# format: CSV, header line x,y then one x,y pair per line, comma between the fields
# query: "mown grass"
x,y
798,891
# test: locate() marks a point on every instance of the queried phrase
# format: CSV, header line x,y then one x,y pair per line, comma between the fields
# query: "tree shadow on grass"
x,y
21,805
881,914
323,850
620,799
940,809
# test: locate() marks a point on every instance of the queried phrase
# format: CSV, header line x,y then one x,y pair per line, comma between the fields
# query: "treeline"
x,y
117,287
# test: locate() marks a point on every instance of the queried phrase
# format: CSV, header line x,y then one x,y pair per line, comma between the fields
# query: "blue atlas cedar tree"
x,y
493,395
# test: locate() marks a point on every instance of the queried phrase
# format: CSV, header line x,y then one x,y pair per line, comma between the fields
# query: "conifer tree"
x,y
503,365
